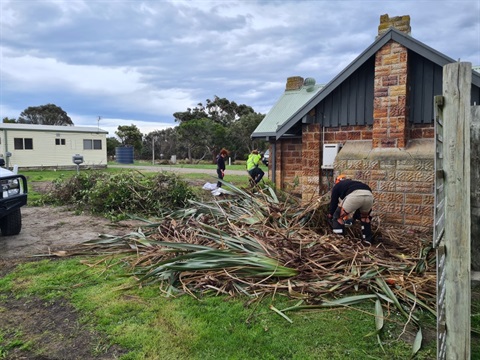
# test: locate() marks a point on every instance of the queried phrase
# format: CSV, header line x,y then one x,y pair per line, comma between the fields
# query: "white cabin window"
x,y
23,144
89,144
59,141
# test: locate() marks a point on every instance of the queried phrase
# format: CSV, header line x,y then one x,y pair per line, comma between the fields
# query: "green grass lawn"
x,y
150,326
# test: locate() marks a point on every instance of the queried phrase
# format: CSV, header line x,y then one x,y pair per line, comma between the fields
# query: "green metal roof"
x,y
288,104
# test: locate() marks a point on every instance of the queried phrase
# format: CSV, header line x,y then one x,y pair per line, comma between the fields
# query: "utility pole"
x,y
98,122
153,149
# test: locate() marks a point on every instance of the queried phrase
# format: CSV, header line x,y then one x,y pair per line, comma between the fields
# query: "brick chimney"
x,y
401,23
294,83
390,110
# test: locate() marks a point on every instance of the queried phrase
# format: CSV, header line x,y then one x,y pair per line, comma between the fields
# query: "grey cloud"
x,y
193,50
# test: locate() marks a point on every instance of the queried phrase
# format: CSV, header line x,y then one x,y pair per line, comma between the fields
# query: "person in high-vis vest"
x,y
349,196
253,167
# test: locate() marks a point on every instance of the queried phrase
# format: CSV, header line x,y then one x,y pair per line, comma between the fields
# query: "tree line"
x,y
200,134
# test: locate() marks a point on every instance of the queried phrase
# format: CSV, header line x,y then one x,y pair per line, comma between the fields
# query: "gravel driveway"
x,y
183,170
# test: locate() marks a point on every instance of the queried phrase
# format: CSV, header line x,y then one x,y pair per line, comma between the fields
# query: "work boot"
x,y
337,227
367,234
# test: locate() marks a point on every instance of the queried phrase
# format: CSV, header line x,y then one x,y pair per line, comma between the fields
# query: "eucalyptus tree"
x,y
222,112
226,112
239,135
130,135
201,137
49,114
219,110
159,144
112,144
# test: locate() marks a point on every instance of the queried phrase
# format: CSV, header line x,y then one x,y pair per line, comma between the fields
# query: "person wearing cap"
x,y
253,168
347,197
221,165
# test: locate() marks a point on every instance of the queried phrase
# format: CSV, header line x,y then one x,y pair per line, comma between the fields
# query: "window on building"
x,y
89,144
59,141
23,144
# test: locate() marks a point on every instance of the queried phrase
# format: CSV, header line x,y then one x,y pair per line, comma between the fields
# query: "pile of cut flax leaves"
x,y
260,242
265,241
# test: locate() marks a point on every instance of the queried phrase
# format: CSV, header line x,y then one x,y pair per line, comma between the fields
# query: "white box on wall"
x,y
330,151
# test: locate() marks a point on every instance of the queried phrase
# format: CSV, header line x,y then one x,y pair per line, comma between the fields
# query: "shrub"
x,y
119,194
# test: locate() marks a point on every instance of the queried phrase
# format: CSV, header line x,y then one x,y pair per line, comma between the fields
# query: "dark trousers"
x,y
257,174
220,176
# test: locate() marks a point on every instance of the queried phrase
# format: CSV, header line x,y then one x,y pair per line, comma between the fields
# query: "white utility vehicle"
x,y
13,195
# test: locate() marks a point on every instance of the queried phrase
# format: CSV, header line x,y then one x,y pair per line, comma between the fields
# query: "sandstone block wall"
x,y
402,179
402,182
336,135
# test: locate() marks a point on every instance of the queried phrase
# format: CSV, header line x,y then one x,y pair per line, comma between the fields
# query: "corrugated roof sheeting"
x,y
288,104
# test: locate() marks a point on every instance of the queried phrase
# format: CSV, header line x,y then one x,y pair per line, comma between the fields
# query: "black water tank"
x,y
124,155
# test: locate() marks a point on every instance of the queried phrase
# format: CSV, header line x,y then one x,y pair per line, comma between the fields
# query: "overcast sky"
x,y
138,62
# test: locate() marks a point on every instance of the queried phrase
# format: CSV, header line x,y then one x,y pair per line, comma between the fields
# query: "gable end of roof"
x,y
392,34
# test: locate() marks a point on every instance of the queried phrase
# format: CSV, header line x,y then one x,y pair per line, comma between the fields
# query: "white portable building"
x,y
31,146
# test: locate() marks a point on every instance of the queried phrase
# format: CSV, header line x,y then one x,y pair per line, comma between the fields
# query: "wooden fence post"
x,y
475,188
457,78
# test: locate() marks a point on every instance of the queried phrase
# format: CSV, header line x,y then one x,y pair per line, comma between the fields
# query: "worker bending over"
x,y
347,197
253,167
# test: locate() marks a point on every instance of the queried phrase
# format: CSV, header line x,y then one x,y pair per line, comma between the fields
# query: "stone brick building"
x,y
378,115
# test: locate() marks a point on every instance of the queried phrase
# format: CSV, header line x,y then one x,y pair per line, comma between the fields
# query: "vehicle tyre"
x,y
12,223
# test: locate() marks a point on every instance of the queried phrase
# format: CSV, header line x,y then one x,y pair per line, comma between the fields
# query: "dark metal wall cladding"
x,y
351,103
425,79
475,95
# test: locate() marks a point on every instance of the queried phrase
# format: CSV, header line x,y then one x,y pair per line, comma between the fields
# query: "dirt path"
x,y
52,328
48,229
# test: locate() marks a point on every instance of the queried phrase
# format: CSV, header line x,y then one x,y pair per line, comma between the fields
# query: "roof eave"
x,y
265,135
